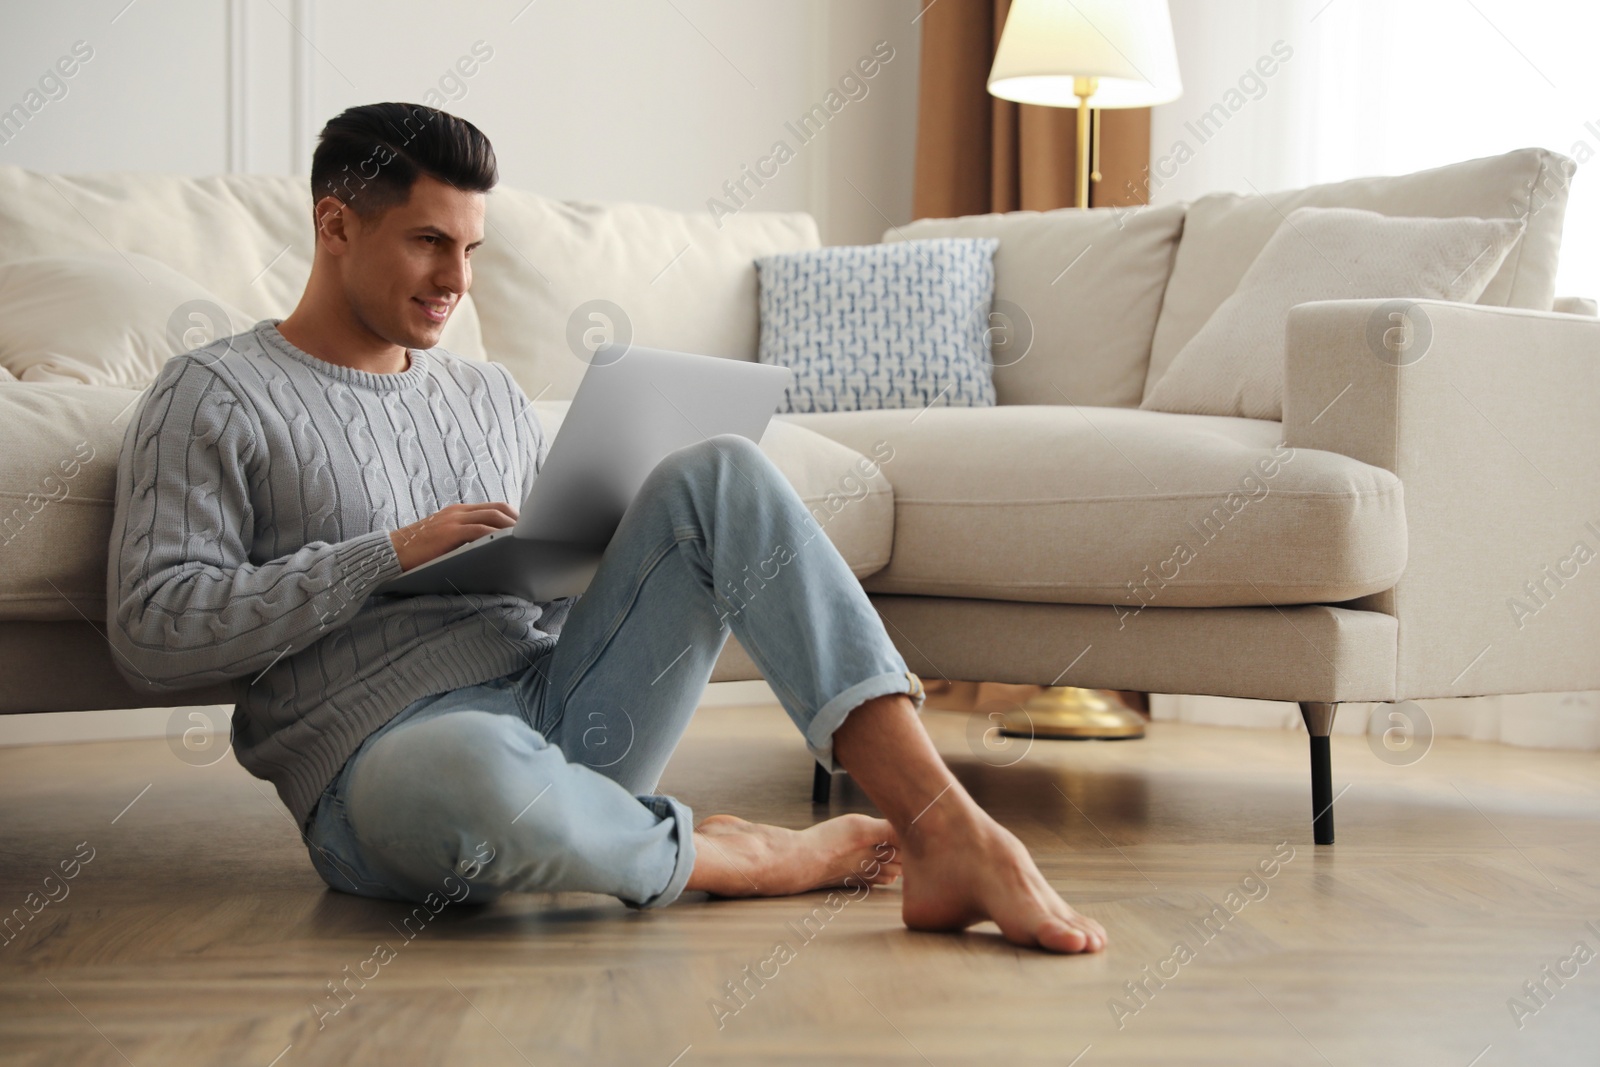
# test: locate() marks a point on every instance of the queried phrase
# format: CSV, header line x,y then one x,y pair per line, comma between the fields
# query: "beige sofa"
x,y
1028,542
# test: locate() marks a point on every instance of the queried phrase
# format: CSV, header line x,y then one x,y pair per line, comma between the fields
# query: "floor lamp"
x,y
1087,54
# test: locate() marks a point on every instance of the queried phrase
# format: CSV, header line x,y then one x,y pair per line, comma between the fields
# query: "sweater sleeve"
x,y
185,606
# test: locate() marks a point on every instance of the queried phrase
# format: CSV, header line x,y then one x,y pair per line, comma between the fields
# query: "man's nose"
x,y
456,277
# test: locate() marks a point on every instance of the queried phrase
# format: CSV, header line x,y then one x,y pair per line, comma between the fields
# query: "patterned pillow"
x,y
900,325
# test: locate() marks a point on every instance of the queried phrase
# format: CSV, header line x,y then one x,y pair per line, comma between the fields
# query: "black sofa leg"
x,y
821,784
1319,724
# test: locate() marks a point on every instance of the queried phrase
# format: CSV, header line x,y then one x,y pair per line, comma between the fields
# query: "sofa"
x,y
1027,542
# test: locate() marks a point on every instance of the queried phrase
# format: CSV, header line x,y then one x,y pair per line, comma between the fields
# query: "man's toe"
x,y
1058,935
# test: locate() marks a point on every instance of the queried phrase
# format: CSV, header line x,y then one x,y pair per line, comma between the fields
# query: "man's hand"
x,y
448,528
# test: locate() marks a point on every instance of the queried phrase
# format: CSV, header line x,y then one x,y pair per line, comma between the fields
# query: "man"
x,y
465,746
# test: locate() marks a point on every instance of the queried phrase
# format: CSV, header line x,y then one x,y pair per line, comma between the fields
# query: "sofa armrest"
x,y
1488,415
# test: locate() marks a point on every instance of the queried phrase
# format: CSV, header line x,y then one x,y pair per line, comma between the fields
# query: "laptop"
x,y
633,407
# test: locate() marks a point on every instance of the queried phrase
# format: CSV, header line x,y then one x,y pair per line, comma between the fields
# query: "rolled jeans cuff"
x,y
683,816
819,735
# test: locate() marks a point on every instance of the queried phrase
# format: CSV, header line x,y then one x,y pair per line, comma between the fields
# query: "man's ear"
x,y
332,217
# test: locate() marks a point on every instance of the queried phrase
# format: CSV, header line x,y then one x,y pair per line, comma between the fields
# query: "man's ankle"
x,y
953,812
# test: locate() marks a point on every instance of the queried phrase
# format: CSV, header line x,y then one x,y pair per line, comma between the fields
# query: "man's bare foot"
x,y
738,858
962,867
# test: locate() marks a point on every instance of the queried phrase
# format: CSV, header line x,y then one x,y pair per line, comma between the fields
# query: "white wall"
x,y
659,101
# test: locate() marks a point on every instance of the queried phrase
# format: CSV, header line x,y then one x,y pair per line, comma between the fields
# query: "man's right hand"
x,y
447,529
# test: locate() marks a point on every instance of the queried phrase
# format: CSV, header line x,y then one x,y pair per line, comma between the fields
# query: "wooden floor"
x,y
199,934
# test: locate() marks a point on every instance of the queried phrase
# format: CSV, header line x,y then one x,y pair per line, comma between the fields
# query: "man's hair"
x,y
370,156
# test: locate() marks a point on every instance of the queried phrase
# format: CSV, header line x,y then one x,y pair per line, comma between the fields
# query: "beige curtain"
x,y
977,153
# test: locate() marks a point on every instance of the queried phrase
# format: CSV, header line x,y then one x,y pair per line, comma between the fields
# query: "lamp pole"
x,y
1084,88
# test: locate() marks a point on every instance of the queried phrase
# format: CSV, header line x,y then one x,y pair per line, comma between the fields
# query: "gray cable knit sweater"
x,y
256,489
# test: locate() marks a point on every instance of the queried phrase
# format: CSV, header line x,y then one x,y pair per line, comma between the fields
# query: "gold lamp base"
x,y
1065,712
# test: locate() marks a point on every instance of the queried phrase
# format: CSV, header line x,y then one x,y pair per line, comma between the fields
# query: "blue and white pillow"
x,y
898,325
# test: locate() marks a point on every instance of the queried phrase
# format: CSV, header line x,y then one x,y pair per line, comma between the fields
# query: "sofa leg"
x,y
1319,724
821,784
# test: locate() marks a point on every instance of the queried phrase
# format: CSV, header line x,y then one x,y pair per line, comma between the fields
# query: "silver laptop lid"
x,y
633,407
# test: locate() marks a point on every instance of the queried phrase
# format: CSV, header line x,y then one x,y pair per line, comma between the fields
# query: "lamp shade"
x,y
1126,44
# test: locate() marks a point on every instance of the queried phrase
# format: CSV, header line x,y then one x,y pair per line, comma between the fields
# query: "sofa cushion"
x,y
1224,232
554,279
1076,295
880,326
246,237
1123,507
58,475
1234,365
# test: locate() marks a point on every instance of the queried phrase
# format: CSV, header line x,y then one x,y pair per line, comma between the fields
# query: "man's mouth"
x,y
435,310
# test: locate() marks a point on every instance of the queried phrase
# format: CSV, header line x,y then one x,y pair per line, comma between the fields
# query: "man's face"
x,y
405,271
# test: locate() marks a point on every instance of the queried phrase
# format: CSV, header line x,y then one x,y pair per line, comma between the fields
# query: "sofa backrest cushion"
x,y
554,279
247,238
1224,232
104,319
1076,296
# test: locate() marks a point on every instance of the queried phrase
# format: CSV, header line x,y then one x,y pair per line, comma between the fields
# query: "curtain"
x,y
977,153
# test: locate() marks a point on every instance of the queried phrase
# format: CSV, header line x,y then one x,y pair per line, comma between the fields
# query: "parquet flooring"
x,y
198,932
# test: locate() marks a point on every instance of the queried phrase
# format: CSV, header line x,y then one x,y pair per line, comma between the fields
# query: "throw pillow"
x,y
901,325
1234,364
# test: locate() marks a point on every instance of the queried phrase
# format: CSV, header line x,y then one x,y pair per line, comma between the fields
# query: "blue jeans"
x,y
544,780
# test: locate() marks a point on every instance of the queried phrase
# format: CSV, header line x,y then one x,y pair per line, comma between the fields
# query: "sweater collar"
x,y
267,329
